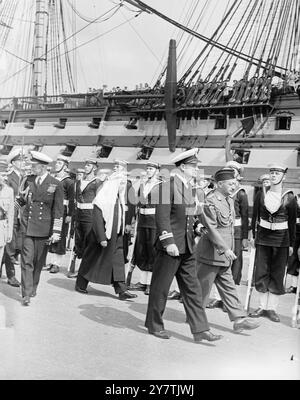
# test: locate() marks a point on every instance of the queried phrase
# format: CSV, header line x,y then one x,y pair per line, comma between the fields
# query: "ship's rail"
x,y
63,101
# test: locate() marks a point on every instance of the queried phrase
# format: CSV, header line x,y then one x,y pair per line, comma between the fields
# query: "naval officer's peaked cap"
x,y
63,158
224,174
14,155
278,167
187,157
40,158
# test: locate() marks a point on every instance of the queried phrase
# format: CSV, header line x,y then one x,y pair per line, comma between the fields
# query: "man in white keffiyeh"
x,y
104,258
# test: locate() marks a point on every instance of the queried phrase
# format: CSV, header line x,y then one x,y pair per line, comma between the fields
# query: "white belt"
x,y
147,211
238,222
66,203
274,226
85,206
298,221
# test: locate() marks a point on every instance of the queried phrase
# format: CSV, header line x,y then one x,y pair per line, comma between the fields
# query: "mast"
x,y
170,95
39,75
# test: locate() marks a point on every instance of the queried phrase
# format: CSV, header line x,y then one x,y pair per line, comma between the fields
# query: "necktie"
x,y
39,181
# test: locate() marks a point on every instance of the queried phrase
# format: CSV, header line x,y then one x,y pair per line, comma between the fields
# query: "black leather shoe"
x,y
33,294
244,324
160,334
126,295
138,286
26,301
13,282
47,267
215,304
291,289
206,335
258,313
54,269
174,295
271,314
83,291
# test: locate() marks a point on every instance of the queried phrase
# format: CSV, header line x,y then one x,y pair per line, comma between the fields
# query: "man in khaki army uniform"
x,y
215,250
41,222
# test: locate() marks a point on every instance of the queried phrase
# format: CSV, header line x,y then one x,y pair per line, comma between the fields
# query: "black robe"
x,y
103,264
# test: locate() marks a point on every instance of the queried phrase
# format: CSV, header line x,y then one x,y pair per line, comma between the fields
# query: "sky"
x,y
134,53
131,49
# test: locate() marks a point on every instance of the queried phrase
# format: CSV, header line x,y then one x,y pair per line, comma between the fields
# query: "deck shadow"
x,y
115,318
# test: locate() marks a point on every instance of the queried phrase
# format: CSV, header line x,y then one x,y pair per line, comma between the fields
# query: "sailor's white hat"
x,y
153,164
264,177
121,162
91,161
15,154
235,165
278,167
63,158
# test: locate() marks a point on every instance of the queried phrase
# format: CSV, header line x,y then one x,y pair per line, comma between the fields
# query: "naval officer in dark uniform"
x,y
274,213
41,222
175,258
215,249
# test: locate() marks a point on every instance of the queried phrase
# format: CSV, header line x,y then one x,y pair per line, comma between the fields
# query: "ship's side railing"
x,y
93,99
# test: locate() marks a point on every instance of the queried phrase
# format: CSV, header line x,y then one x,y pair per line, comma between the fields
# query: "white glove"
x,y
55,238
172,250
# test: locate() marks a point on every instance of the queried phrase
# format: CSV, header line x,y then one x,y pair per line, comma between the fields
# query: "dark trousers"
x,y
222,277
33,258
82,283
270,268
237,264
294,262
82,229
164,269
10,253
